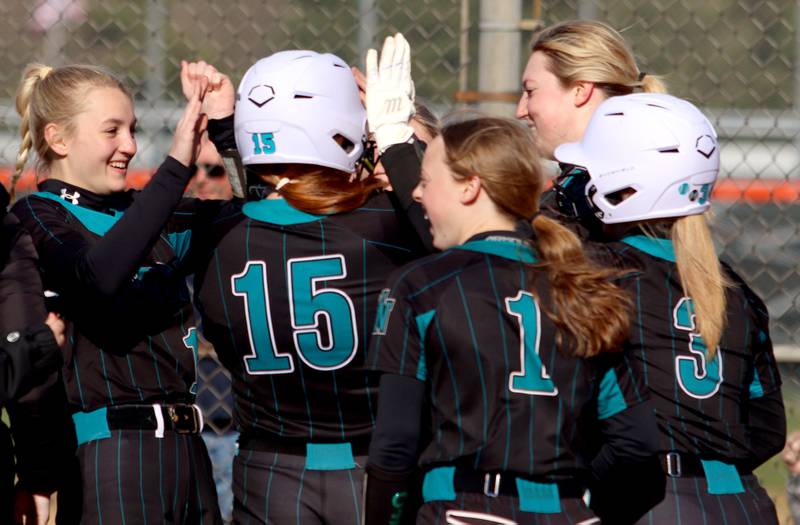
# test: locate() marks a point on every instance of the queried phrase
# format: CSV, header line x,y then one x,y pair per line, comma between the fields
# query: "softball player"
x,y
514,346
287,287
129,362
700,338
574,66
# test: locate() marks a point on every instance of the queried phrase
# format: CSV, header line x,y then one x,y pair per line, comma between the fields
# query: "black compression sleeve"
x,y
395,440
390,495
403,163
766,427
112,260
627,479
629,437
222,133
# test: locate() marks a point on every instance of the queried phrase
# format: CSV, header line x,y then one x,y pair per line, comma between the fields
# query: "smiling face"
x,y
101,143
440,194
548,107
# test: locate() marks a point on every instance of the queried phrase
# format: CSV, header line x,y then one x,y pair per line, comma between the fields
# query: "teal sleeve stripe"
x,y
756,390
610,400
90,426
180,242
423,322
438,485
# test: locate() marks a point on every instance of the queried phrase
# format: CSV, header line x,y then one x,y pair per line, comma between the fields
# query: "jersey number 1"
x,y
533,378
697,376
311,307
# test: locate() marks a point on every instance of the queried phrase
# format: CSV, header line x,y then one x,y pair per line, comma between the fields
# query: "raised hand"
x,y
191,126
390,92
220,97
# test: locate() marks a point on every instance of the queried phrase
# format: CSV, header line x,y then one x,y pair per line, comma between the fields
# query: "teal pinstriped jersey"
x,y
129,348
287,299
701,403
503,395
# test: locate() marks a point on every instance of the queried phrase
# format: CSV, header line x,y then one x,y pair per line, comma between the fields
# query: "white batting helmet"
x,y
300,107
648,156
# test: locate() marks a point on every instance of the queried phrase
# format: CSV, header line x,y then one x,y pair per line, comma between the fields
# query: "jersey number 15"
x,y
311,306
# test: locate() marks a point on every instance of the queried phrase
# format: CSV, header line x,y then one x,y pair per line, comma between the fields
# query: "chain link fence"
x,y
735,58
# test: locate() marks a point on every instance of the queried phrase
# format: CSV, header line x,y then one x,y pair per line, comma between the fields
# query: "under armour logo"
x,y
72,198
392,105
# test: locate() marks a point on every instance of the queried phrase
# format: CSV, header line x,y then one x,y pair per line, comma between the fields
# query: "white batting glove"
x,y
390,92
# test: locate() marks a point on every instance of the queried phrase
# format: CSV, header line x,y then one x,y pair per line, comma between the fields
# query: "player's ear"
x,y
470,190
56,138
583,92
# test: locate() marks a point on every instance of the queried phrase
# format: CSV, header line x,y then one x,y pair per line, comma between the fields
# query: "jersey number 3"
x,y
310,306
697,376
533,378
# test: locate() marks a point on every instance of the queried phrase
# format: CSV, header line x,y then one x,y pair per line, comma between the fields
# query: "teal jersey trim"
x,y
423,322
610,400
722,478
95,221
180,242
756,390
661,248
542,498
278,211
438,485
516,251
90,426
329,456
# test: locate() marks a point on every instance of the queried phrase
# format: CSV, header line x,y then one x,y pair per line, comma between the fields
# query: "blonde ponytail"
x,y
651,84
702,277
584,302
33,74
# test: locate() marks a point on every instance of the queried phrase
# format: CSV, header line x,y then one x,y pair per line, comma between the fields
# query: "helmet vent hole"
x,y
617,114
346,144
616,197
669,150
339,65
302,96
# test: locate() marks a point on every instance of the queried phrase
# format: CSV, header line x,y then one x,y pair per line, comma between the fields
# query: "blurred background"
x,y
739,60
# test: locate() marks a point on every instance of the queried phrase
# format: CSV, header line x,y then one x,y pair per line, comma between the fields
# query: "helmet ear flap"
x,y
640,150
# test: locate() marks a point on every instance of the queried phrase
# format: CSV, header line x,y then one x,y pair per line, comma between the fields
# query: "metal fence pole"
x,y
367,28
587,10
156,18
499,52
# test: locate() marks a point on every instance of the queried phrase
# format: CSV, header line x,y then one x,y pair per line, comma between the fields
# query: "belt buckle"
x,y
494,491
673,460
185,419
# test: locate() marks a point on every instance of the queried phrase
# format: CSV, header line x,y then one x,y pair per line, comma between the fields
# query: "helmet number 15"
x,y
263,143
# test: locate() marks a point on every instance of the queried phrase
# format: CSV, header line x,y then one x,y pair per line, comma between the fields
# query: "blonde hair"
x,y
318,190
702,277
427,119
584,305
591,51
46,95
